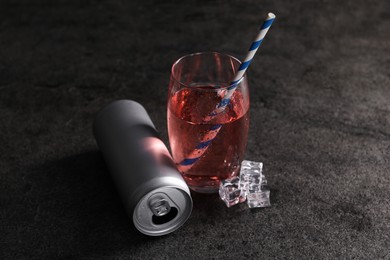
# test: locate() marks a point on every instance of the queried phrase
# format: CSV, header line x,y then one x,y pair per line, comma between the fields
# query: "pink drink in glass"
x,y
187,108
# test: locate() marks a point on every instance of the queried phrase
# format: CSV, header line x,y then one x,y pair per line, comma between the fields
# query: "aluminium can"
x,y
153,192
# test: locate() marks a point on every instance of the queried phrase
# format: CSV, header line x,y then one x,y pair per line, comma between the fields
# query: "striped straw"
x,y
207,138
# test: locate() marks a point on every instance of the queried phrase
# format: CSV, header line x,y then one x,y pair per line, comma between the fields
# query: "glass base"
x,y
202,184
209,190
206,184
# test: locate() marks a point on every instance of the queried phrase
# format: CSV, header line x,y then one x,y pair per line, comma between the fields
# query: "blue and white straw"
x,y
244,66
209,136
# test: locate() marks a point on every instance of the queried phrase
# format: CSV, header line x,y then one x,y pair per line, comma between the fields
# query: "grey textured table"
x,y
320,122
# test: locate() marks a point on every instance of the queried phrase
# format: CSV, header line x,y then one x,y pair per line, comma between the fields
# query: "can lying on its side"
x,y
154,193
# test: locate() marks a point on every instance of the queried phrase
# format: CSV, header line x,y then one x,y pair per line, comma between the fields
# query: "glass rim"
x,y
201,53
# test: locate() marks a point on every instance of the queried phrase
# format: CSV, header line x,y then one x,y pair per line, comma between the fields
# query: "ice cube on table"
x,y
251,165
258,196
250,185
250,174
229,192
254,185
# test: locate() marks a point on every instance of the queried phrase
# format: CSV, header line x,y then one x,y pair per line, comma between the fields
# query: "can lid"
x,y
162,211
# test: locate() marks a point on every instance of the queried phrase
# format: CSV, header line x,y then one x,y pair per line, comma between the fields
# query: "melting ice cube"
x,y
229,192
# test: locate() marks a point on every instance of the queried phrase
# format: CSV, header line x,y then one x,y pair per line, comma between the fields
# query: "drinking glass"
x,y
207,147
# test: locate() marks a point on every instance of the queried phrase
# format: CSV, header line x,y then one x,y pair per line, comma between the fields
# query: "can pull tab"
x,y
159,206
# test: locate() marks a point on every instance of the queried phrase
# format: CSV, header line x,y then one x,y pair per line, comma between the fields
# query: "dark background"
x,y
320,122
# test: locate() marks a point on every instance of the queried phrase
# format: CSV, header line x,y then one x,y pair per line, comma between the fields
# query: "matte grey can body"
x,y
154,193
